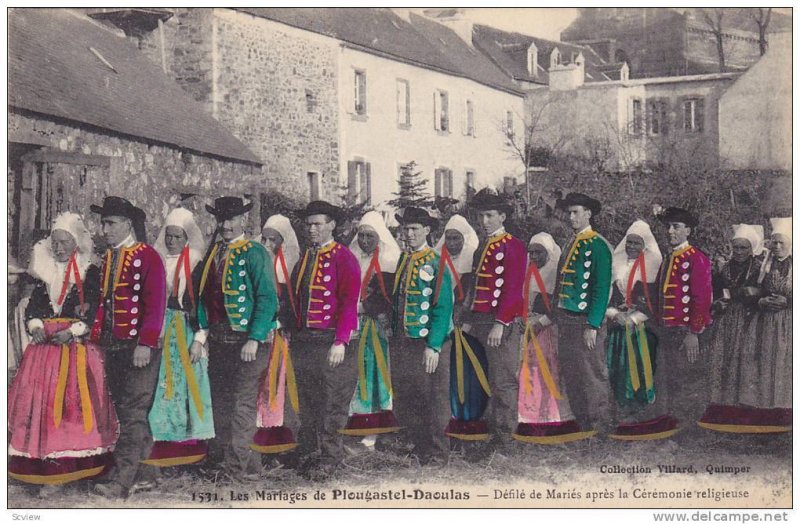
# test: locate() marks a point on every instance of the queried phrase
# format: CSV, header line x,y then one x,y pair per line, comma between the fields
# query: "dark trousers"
x,y
234,389
421,400
584,372
503,375
325,393
132,391
681,387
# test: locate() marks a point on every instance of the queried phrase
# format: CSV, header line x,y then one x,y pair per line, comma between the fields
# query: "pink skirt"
x,y
60,414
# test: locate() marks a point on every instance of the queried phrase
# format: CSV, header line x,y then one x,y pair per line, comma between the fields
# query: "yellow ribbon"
x,y
83,388
281,349
362,369
462,346
380,360
644,350
544,369
183,353
370,330
632,368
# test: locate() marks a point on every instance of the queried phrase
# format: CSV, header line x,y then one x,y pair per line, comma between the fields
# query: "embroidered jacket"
x,y
415,312
499,276
684,290
585,277
327,286
241,291
136,295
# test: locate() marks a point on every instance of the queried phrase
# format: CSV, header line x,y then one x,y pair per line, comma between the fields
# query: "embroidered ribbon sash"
x,y
83,387
280,351
371,330
177,325
462,346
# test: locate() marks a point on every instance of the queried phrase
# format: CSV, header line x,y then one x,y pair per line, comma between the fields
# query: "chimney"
x,y
564,77
455,20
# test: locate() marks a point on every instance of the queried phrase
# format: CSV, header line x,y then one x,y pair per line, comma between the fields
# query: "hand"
x,y
62,337
335,355
38,336
779,301
430,360
590,338
249,350
621,319
466,327
495,336
692,346
141,356
196,351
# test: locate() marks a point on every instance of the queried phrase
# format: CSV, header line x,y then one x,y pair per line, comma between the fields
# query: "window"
x,y
359,182
443,182
693,115
313,185
469,175
360,98
469,118
441,111
657,117
311,101
635,117
510,124
555,58
403,103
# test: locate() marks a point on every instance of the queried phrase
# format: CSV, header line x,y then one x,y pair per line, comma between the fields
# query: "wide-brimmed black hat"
x,y
415,215
320,207
485,200
118,207
225,208
579,199
676,214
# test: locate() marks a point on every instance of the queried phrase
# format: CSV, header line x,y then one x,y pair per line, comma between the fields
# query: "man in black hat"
x,y
327,283
236,313
684,310
496,304
127,326
583,290
422,320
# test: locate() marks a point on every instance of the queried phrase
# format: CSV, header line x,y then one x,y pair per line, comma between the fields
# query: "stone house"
x,y
90,116
334,101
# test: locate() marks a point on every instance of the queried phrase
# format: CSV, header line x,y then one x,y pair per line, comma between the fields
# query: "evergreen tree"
x,y
413,189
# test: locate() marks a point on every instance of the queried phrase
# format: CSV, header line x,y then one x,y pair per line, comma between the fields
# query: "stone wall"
x,y
152,176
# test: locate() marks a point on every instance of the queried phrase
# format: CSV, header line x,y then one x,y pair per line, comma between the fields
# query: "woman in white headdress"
x,y
734,308
181,420
60,415
631,345
544,412
768,377
273,434
458,245
377,253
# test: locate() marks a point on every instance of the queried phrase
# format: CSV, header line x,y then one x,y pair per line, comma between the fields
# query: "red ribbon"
x,y
73,266
280,259
374,267
533,271
445,260
638,264
183,264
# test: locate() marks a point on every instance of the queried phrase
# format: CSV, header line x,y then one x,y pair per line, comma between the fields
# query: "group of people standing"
x,y
183,351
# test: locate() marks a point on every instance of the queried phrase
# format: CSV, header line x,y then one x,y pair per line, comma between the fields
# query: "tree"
x,y
761,17
713,18
412,189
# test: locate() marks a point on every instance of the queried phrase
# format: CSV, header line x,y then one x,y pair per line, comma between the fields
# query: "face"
x,y
781,246
491,220
367,239
271,239
538,255
320,228
115,229
454,241
578,217
741,249
634,245
231,228
415,235
678,233
175,238
63,245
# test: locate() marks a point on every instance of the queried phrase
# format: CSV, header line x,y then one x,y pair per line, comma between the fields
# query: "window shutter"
x,y
687,115
465,120
699,115
474,120
408,103
399,101
362,99
352,182
448,179
437,182
436,110
366,183
445,112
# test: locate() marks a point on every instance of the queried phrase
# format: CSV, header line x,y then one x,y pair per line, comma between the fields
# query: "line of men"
x,y
381,338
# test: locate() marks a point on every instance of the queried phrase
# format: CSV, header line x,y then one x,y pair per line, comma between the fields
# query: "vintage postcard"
x,y
400,258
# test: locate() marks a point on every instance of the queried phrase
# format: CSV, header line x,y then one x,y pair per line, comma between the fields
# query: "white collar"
x,y
237,239
680,246
128,242
500,231
423,247
325,243
584,230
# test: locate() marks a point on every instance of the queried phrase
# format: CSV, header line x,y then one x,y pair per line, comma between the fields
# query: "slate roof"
x,y
509,50
381,31
63,64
